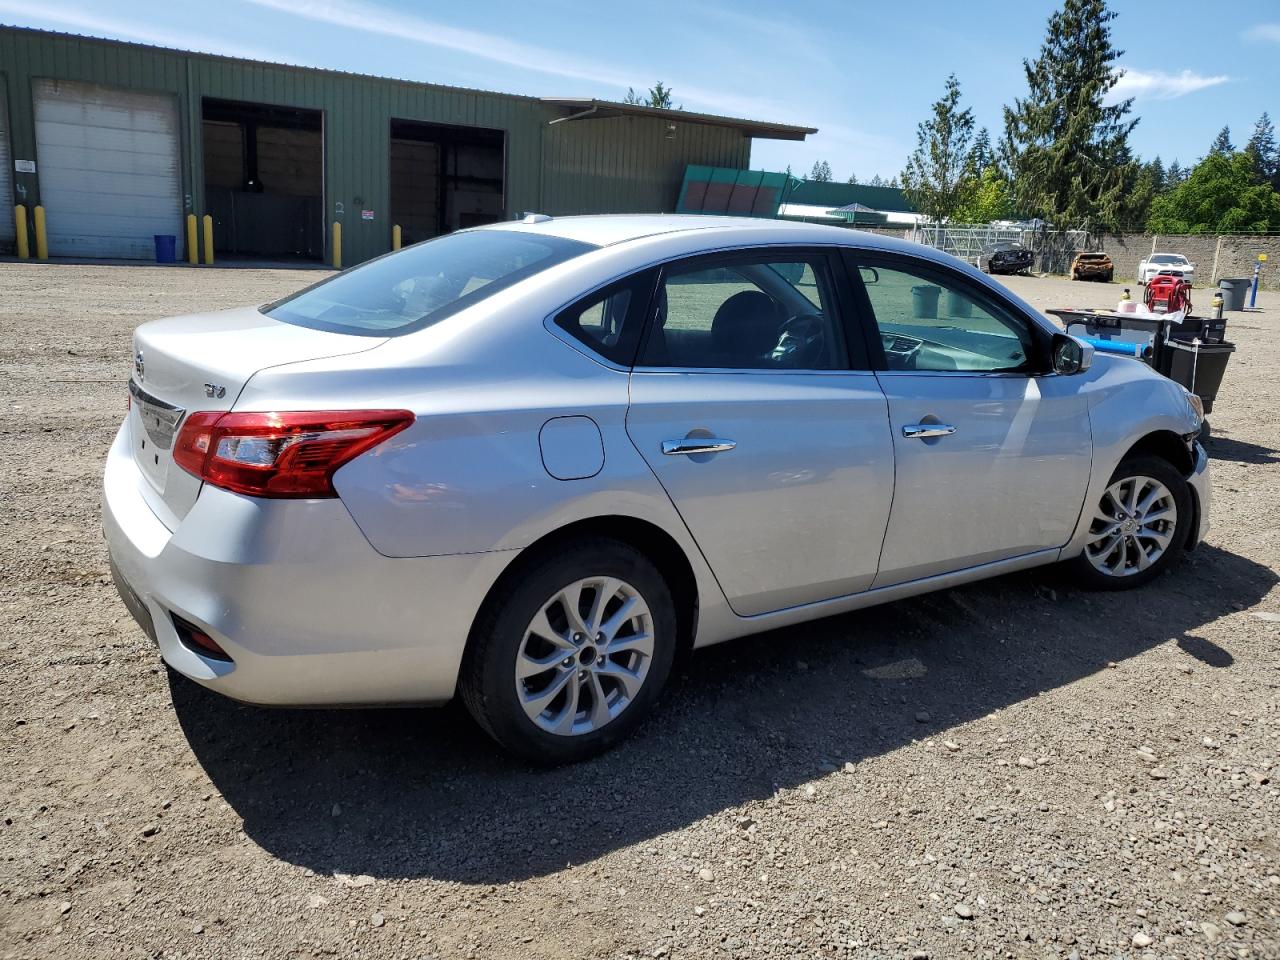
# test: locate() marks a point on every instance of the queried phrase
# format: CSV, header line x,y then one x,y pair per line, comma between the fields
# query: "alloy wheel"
x,y
584,656
1133,526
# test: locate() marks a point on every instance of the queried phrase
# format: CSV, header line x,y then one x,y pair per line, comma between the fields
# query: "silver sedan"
x,y
532,463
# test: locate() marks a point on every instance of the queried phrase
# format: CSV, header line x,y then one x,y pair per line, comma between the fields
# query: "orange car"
x,y
1092,266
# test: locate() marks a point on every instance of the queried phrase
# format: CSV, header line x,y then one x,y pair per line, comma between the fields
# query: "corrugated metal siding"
x,y
630,164
7,230
591,166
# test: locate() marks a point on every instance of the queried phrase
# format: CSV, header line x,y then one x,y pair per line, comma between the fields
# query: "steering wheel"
x,y
802,341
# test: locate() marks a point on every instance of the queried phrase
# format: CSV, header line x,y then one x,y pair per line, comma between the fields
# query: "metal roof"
x,y
589,108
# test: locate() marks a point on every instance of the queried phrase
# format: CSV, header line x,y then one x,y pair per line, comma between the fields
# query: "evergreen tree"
x,y
1064,146
938,173
853,178
876,181
1175,175
658,96
1222,195
1222,143
982,155
1261,149
1159,178
821,172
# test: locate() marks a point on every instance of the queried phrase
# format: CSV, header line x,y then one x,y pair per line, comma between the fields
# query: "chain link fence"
x,y
1053,249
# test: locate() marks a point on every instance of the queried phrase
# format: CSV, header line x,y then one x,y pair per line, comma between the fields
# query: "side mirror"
x,y
1071,355
869,274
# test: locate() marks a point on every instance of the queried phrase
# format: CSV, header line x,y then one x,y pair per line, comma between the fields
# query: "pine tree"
x,y
1159,177
1175,175
876,181
821,172
1065,147
982,155
658,96
1222,143
853,179
1261,149
938,173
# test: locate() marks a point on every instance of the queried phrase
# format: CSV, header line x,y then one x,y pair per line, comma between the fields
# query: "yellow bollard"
x,y
208,240
20,221
337,245
42,237
193,253
395,237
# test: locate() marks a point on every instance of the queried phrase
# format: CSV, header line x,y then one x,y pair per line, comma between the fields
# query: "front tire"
x,y
571,652
1137,527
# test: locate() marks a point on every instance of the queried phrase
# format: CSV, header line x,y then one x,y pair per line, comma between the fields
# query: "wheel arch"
x,y
647,537
1166,445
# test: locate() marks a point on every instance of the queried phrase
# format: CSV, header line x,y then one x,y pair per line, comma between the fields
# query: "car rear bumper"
x,y
309,613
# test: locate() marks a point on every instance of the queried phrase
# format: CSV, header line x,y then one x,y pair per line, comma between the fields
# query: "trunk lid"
x,y
201,362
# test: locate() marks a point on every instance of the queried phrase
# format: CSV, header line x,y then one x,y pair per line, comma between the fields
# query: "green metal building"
x,y
119,141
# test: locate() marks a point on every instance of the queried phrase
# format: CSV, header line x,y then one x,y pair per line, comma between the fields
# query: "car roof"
x,y
607,229
1159,254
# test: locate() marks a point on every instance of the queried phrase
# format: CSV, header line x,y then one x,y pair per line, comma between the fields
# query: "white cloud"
x,y
1265,32
1158,85
77,20
371,18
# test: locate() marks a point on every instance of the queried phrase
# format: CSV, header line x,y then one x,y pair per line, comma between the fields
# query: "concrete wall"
x,y
1215,257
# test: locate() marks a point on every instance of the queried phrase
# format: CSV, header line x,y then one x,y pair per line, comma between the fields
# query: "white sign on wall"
x,y
24,166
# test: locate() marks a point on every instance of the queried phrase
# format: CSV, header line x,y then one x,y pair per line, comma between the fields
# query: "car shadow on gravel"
x,y
1240,451
422,793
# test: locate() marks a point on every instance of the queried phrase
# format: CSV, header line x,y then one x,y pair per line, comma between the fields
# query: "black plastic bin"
x,y
1198,367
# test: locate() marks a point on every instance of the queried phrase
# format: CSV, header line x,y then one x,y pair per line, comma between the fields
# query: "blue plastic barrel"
x,y
166,248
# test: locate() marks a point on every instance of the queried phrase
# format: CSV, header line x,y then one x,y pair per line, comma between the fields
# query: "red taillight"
x,y
280,454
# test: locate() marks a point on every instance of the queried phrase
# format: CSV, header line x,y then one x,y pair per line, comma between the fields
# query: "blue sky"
x,y
865,73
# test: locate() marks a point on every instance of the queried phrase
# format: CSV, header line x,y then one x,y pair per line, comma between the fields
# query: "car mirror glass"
x,y
869,275
1070,355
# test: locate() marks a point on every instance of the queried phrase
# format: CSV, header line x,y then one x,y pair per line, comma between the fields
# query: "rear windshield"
x,y
421,285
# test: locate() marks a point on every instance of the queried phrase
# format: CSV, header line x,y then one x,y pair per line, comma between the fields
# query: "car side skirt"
x,y
717,628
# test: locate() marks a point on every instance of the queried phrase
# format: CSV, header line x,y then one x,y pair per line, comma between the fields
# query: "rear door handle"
x,y
689,445
923,431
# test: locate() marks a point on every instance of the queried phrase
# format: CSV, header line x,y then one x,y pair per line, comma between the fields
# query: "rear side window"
x,y
749,312
423,284
608,321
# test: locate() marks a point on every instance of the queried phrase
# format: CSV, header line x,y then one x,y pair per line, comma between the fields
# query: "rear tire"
x,y
556,669
1138,526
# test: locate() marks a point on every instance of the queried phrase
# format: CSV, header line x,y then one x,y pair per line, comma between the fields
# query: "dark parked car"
x,y
1005,257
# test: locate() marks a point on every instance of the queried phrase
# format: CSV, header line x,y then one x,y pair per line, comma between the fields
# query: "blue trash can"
x,y
166,248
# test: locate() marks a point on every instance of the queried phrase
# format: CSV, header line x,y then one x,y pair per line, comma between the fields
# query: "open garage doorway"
x,y
264,180
444,178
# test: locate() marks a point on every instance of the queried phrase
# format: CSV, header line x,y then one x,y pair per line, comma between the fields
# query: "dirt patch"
x,y
1014,768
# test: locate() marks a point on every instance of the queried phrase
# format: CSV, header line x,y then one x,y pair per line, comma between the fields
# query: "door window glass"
x,y
767,314
926,323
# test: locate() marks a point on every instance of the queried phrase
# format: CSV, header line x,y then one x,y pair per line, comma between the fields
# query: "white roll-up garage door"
x,y
108,166
7,235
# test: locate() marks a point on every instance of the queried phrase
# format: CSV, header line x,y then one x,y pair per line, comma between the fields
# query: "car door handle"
x,y
923,431
688,445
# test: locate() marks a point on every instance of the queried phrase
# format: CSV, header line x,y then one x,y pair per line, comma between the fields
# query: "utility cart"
x,y
1192,351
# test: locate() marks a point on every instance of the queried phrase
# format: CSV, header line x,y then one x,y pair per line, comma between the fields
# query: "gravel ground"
x,y
1010,769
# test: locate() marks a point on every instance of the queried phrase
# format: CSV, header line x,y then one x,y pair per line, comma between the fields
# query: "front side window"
x,y
421,285
767,313
926,322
